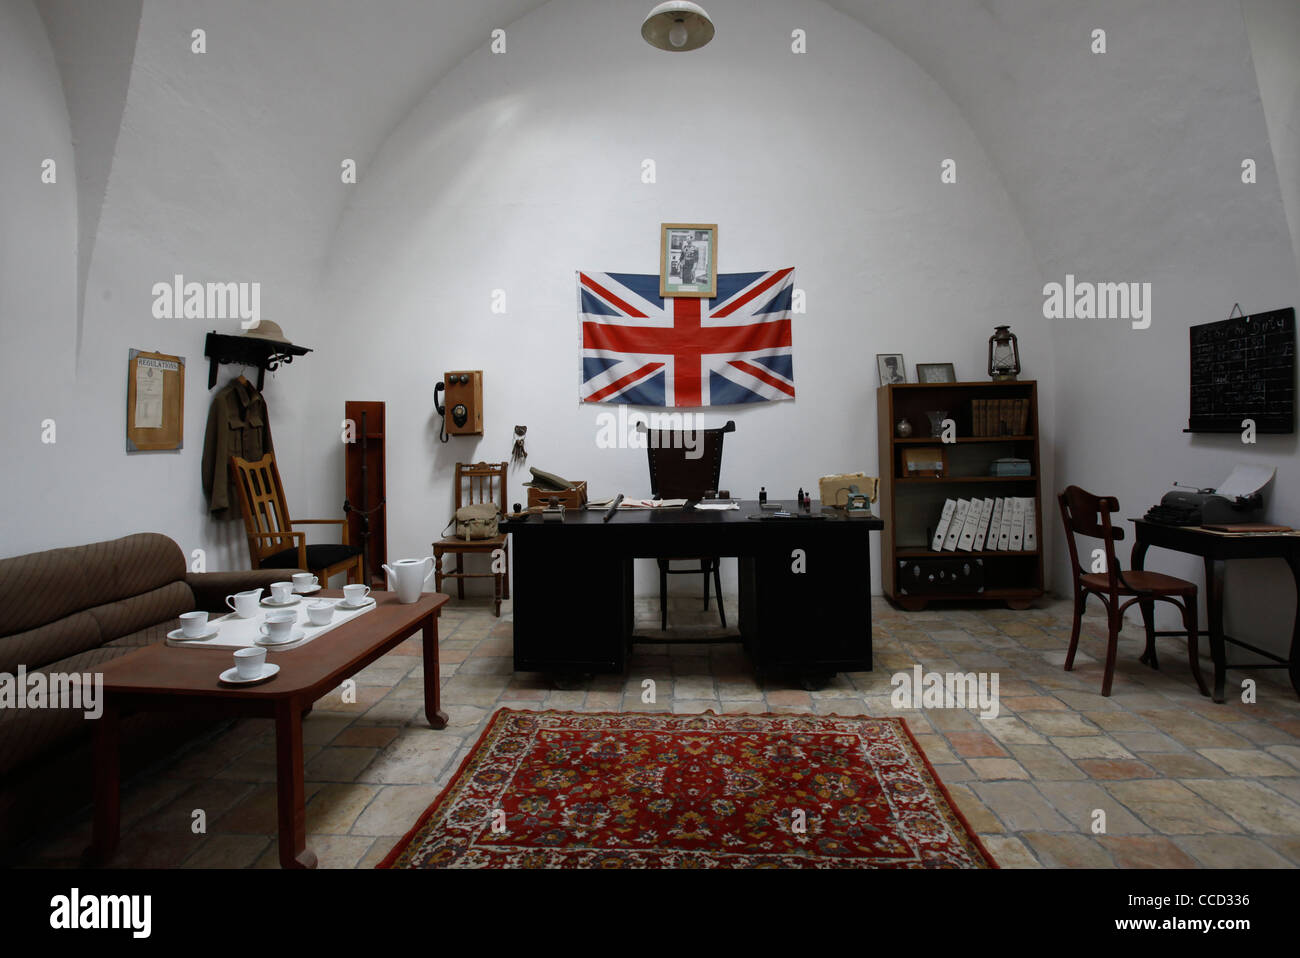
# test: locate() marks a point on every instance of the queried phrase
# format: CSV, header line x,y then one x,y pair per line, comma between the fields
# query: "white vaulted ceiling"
x,y
240,142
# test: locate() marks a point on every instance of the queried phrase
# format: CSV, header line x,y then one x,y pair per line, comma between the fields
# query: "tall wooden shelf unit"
x,y
911,506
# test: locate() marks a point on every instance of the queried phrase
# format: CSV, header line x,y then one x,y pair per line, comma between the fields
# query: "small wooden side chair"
x,y
272,542
1088,515
480,482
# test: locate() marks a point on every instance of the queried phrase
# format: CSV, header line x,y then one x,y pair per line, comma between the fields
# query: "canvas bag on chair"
x,y
478,521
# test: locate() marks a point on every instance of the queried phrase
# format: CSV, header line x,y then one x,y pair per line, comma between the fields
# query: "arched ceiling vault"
x,y
1067,129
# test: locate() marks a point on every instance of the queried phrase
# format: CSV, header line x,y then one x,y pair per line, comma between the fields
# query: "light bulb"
x,y
677,35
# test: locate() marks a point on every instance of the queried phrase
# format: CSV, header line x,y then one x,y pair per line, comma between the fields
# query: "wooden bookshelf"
x,y
911,506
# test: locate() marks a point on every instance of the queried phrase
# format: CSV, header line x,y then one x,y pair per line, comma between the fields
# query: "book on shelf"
x,y
966,541
1017,524
1031,524
1022,418
941,532
977,417
981,533
954,529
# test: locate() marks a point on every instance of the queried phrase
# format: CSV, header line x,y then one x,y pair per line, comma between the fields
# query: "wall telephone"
x,y
464,394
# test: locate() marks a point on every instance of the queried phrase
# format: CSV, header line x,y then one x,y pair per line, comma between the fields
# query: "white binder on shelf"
x,y
1031,525
1004,534
941,533
958,522
981,534
995,527
1017,524
966,541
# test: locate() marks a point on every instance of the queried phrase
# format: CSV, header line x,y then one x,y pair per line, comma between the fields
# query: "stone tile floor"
x,y
1182,782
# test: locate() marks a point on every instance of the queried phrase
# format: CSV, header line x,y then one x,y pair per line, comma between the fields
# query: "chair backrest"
x,y
679,472
481,482
1088,515
261,499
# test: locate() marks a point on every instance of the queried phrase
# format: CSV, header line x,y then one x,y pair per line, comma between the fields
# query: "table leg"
x,y
106,772
1214,575
1293,667
289,793
436,717
1137,562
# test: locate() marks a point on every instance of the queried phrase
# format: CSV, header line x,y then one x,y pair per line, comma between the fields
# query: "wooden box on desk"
x,y
575,498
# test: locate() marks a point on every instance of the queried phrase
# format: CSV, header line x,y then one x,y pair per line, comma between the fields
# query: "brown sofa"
x,y
71,610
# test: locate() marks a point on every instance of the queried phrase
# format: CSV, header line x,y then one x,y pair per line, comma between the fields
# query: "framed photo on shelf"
x,y
688,260
935,373
891,367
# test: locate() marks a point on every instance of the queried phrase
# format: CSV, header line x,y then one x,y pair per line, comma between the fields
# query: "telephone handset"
x,y
465,391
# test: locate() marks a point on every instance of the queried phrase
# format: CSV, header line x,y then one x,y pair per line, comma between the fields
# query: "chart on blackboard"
x,y
1244,368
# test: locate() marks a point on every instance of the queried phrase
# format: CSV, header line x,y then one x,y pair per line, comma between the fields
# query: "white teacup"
x,y
281,592
320,613
304,581
194,624
355,593
250,662
245,603
278,625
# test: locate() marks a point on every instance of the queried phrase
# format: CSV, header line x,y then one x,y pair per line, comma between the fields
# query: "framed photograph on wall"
x,y
688,259
891,367
935,373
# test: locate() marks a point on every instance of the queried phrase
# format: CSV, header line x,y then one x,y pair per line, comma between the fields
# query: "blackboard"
x,y
1244,368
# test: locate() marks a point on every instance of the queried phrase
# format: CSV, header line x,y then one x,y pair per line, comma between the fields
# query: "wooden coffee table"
x,y
161,678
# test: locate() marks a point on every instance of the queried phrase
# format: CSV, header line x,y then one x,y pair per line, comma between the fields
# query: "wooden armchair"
x,y
272,542
480,482
1088,515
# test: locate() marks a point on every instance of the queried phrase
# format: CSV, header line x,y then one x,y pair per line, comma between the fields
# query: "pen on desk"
x,y
613,508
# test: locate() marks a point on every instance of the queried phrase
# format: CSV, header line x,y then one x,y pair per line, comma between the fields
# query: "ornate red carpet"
x,y
649,790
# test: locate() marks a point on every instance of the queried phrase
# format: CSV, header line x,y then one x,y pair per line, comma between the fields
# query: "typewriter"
x,y
1202,507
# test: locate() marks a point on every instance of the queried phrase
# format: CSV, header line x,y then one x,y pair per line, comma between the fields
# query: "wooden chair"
x,y
676,475
480,482
1089,515
272,543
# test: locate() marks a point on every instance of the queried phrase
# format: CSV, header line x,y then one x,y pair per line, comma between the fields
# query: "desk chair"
x,y
482,482
675,476
1088,515
272,543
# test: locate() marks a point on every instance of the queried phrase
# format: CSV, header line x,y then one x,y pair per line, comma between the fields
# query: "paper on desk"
x,y
719,506
1246,481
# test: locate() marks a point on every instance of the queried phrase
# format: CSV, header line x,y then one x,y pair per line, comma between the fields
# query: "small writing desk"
x,y
805,585
1215,549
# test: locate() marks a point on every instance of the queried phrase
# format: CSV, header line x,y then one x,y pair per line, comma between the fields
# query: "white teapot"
x,y
407,576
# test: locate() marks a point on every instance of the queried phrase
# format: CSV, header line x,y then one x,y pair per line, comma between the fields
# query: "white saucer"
x,y
180,634
297,634
232,675
270,603
313,589
343,604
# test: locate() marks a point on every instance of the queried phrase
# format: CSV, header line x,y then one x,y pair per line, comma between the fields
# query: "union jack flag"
x,y
641,349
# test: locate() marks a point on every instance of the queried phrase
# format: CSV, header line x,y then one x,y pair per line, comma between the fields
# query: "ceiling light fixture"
x,y
677,26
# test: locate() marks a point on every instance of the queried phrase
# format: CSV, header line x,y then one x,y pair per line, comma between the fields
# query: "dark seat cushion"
x,y
318,556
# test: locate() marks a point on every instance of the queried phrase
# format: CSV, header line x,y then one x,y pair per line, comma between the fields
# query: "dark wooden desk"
x,y
573,585
162,678
1215,550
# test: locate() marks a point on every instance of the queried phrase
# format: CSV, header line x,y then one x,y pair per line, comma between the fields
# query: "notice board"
x,y
155,401
1244,368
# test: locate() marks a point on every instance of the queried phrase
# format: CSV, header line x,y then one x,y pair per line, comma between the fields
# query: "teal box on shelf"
x,y
1010,467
